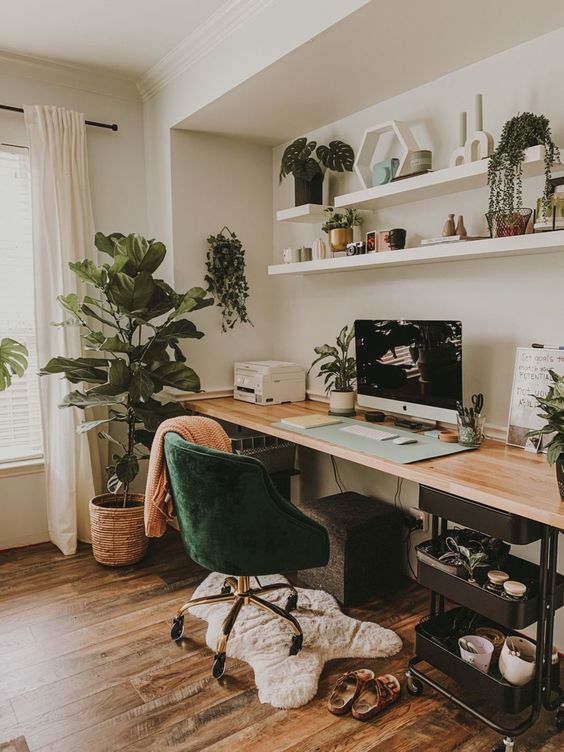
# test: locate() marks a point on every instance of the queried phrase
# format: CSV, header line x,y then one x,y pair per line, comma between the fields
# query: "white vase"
x,y
342,403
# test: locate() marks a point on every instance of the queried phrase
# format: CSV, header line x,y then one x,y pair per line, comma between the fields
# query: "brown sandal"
x,y
376,695
347,689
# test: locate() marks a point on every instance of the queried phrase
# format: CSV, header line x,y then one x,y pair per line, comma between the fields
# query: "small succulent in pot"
x,y
339,372
552,412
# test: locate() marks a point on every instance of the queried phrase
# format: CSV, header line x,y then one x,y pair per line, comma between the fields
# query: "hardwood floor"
x,y
86,665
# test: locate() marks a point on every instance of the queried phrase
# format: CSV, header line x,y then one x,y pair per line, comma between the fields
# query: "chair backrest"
x,y
232,518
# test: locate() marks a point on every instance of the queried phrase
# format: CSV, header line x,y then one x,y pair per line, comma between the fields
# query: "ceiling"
x,y
124,37
385,48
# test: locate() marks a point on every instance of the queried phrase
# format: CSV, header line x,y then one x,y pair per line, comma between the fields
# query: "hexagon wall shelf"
x,y
365,153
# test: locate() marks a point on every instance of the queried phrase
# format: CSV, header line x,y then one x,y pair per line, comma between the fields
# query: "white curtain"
x,y
63,231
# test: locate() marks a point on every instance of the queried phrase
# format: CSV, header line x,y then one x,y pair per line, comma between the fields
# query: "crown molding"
x,y
200,42
72,76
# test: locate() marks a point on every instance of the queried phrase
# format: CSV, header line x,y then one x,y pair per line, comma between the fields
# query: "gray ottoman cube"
x,y
365,537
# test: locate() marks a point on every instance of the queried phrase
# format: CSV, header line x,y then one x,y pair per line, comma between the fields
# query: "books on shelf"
x,y
451,239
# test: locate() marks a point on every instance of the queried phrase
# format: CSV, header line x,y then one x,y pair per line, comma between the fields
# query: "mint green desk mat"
x,y
426,448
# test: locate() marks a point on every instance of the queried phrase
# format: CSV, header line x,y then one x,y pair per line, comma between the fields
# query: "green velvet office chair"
x,y
233,520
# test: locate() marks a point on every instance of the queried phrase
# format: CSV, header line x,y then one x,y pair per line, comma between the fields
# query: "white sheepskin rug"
x,y
263,640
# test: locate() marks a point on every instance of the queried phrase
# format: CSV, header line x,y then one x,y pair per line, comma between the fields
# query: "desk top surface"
x,y
499,476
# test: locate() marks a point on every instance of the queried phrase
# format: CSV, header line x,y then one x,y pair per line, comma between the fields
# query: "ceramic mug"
x,y
482,658
397,239
517,660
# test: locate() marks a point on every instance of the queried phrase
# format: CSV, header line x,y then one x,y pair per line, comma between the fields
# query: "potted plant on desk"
x,y
134,358
339,373
552,411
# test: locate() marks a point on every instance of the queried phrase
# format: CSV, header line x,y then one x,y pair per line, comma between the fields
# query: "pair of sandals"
x,y
363,694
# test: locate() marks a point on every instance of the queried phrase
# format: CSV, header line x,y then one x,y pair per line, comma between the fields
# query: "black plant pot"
x,y
560,476
308,191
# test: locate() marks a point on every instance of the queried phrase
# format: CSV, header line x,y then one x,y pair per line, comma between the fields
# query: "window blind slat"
x,y
20,417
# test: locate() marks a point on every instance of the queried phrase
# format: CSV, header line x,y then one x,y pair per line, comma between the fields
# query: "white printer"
x,y
269,382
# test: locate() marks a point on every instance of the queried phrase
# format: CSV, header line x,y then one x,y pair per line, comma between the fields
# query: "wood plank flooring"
x,y
86,665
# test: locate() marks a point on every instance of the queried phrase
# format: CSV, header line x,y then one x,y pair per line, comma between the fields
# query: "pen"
x,y
547,347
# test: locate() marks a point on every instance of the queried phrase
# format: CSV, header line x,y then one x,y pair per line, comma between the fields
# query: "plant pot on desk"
x,y
118,532
342,403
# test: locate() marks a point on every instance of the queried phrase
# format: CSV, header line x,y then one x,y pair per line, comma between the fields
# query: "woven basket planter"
x,y
118,535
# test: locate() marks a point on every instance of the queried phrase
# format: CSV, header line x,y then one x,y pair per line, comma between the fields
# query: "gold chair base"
x,y
241,594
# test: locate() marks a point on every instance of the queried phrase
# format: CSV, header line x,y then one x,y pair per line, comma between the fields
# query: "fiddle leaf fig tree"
x,y
133,323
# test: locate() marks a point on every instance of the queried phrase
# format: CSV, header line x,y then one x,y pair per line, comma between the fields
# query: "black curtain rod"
x,y
108,126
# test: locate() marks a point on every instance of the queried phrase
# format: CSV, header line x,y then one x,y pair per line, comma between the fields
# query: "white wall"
x,y
219,181
502,303
249,49
117,178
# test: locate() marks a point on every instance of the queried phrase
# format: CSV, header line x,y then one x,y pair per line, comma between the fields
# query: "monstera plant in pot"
x,y
309,170
132,324
552,412
339,372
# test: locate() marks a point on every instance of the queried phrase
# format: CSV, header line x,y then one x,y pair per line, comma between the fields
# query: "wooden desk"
x,y
498,476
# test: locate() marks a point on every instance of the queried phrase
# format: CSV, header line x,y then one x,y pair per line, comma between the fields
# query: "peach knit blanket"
x,y
158,502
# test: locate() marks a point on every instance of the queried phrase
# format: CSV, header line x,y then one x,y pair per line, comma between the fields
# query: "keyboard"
x,y
369,433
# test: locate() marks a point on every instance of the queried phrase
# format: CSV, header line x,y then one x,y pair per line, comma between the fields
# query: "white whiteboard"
x,y
531,377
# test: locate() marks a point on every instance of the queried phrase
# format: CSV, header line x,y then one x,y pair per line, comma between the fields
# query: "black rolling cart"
x,y
507,615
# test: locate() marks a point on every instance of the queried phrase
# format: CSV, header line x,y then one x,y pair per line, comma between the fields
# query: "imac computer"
x,y
411,368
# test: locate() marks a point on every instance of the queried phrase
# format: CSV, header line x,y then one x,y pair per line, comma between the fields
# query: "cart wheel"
x,y
499,747
560,718
414,686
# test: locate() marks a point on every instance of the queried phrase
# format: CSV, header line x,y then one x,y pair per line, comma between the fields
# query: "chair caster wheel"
x,y
414,686
177,630
297,644
560,718
291,603
225,590
500,747
218,668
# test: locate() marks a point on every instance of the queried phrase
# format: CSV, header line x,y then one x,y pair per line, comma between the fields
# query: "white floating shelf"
x,y
520,245
307,213
439,183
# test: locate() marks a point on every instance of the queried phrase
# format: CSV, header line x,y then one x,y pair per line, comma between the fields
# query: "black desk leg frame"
x,y
542,691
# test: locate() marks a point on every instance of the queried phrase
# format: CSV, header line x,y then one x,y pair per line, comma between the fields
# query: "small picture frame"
x,y
383,242
371,242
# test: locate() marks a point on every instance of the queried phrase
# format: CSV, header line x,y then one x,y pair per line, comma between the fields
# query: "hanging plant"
x,y
225,262
505,168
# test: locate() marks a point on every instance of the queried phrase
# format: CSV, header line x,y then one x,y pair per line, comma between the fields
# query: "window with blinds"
x,y
20,420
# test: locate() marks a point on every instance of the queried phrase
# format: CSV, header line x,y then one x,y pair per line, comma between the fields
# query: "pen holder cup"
x,y
470,430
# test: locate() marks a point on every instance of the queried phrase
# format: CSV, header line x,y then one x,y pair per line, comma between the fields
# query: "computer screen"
x,y
415,363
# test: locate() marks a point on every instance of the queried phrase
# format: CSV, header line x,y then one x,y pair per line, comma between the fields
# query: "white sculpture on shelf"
x,y
478,145
365,153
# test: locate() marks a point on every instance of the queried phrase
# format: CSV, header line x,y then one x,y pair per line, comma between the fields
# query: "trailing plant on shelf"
x,y
13,361
341,221
298,159
552,412
338,372
136,355
225,263
505,167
